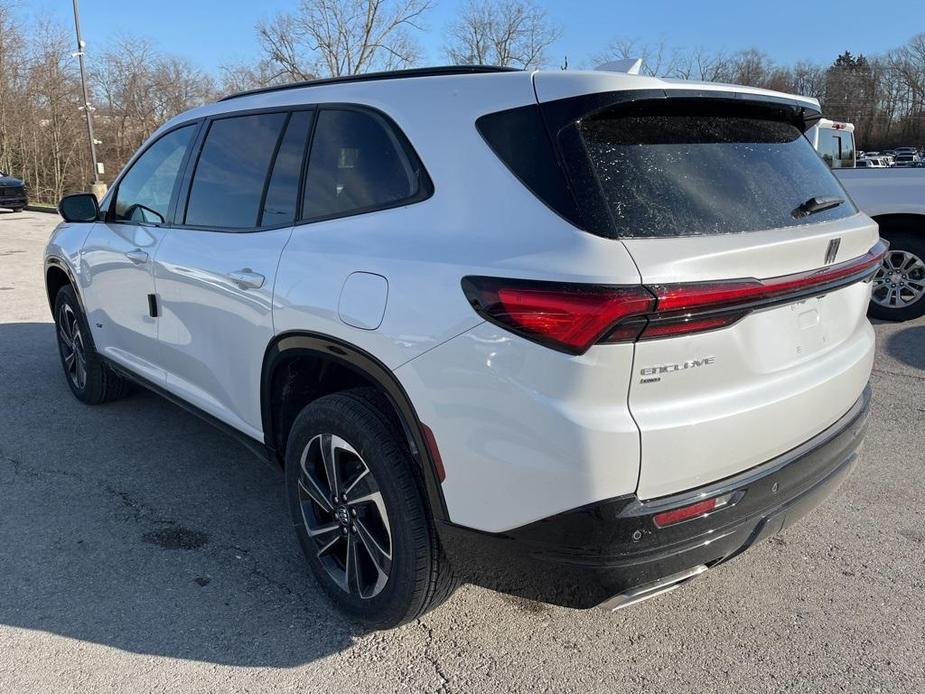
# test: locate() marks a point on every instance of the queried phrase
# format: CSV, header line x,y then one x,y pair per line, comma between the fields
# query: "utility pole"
x,y
98,188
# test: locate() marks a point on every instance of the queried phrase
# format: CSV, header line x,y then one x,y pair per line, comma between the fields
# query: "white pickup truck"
x,y
895,198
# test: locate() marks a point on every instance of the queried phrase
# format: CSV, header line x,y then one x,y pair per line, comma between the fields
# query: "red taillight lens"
x,y
695,510
567,317
691,296
572,317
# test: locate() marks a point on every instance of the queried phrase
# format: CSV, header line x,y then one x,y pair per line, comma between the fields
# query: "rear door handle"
x,y
247,278
137,256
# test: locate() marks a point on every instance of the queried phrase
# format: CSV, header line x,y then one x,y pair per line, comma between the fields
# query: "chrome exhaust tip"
x,y
650,590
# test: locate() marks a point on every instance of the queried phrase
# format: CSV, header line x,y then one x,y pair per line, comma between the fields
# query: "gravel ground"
x,y
141,550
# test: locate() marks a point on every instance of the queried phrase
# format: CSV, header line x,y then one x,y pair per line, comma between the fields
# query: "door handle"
x,y
137,256
247,278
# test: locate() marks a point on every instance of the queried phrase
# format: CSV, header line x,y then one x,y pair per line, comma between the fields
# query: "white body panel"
x,y
117,264
779,377
800,366
214,330
525,432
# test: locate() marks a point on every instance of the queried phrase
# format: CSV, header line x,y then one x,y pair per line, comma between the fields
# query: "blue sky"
x,y
215,32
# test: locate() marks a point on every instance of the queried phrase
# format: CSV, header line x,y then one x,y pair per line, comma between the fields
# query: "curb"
x,y
42,208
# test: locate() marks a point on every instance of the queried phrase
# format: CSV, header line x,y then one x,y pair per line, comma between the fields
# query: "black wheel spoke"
x,y
310,488
329,544
329,456
380,556
72,347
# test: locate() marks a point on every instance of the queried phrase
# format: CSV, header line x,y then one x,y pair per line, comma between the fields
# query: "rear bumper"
x,y
612,550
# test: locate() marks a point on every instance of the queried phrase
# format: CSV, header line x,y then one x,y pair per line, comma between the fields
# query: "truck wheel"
x,y
899,287
359,514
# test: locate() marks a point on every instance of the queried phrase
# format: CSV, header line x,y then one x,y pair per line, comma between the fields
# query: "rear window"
x,y
669,174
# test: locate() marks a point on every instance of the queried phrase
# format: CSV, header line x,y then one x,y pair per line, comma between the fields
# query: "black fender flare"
x,y
293,344
54,261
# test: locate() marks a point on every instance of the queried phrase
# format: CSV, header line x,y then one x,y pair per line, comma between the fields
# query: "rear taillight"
x,y
567,317
572,317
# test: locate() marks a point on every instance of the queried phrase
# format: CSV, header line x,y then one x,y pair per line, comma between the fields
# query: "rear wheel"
x,y
899,287
359,513
90,379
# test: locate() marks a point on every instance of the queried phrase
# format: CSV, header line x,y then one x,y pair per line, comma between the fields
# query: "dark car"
x,y
12,193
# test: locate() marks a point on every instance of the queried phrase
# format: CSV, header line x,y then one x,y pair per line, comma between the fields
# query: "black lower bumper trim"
x,y
586,556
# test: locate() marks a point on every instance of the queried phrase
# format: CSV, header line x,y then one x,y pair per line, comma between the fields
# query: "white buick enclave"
x,y
575,336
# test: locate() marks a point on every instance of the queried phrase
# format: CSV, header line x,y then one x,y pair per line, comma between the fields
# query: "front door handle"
x,y
137,256
247,278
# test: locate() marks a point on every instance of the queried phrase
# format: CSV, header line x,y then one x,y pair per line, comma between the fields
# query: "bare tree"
x,y
343,37
12,64
241,77
514,33
137,89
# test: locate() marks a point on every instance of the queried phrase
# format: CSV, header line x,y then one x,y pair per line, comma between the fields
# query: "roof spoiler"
x,y
629,66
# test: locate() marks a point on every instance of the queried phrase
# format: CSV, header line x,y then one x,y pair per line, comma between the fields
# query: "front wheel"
x,y
359,513
90,379
899,286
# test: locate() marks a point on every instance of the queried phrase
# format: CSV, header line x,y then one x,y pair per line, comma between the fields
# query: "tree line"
x,y
135,87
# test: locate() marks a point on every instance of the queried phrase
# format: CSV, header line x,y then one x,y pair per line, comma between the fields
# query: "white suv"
x,y
575,336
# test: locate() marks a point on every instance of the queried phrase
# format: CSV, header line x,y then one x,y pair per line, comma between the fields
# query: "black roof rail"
x,y
437,71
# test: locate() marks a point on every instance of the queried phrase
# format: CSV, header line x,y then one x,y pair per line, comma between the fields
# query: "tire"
x,y
89,378
17,209
899,287
380,520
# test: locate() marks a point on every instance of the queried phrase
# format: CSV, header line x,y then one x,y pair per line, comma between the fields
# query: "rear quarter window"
x,y
667,173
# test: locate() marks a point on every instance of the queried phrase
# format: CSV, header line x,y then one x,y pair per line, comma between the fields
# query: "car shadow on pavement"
x,y
137,526
908,346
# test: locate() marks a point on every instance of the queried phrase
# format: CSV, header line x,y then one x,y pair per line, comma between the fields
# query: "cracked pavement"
x,y
143,551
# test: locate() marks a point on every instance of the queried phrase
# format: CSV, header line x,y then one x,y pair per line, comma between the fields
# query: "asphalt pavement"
x,y
143,551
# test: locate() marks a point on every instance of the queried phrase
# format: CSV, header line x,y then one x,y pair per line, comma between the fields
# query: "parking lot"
x,y
142,550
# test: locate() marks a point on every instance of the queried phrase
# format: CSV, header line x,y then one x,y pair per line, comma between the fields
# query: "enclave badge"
x,y
653,374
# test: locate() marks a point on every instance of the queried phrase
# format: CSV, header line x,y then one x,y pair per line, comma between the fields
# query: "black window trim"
x,y
187,179
425,186
109,216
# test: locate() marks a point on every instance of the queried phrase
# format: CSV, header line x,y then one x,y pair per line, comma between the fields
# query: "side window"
x,y
233,166
279,207
144,192
356,164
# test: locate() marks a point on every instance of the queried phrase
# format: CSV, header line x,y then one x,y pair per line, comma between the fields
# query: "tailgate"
x,y
719,198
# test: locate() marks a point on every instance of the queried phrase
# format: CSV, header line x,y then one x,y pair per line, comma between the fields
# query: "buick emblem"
x,y
832,251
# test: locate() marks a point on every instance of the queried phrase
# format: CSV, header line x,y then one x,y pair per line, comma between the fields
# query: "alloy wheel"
x,y
345,516
73,350
900,281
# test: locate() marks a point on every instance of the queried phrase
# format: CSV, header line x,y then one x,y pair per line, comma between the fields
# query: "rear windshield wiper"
x,y
814,205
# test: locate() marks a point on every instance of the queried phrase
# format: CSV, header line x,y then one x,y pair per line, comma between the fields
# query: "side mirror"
x,y
80,207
